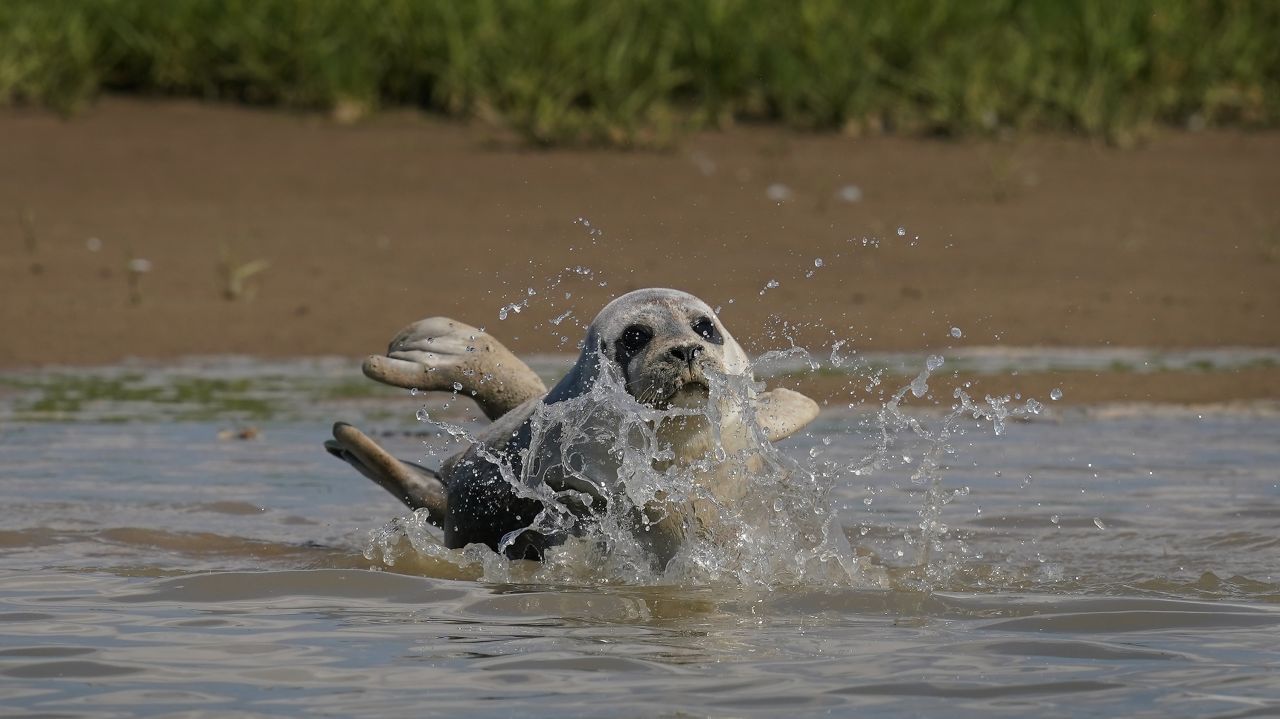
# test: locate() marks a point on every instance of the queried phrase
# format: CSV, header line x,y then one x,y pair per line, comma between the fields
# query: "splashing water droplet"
x,y
902,232
1098,523
1055,393
955,332
457,386
817,262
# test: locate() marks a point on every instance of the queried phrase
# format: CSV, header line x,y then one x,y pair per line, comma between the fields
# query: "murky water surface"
x,y
1083,562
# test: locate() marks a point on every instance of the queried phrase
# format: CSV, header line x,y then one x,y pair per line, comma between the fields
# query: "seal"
x,y
551,462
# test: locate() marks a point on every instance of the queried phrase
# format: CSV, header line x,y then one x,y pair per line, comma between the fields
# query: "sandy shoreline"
x,y
1041,241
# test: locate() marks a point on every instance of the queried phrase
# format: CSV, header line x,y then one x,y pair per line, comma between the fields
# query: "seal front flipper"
x,y
783,412
444,355
418,487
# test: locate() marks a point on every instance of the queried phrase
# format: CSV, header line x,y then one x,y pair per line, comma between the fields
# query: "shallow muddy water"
x,y
1087,561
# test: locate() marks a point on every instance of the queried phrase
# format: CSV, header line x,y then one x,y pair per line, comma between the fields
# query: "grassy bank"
x,y
635,71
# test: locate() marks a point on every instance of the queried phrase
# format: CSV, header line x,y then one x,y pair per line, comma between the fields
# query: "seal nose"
x,y
686,353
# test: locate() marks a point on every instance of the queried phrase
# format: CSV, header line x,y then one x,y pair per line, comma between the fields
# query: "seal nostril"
x,y
686,353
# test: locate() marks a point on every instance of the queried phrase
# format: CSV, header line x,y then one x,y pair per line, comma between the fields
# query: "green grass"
x,y
204,398
176,394
639,71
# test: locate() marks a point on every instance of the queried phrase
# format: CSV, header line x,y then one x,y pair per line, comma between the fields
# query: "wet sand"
x,y
1038,241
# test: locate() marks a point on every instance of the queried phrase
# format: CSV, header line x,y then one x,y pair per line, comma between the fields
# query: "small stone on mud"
x,y
239,433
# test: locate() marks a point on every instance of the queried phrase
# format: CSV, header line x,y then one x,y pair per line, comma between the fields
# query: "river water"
x,y
1084,561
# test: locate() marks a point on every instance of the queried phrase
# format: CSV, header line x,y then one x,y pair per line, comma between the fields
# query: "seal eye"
x,y
630,342
634,338
706,329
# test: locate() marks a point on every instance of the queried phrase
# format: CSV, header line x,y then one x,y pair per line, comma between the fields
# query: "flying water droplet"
x,y
1055,393
955,332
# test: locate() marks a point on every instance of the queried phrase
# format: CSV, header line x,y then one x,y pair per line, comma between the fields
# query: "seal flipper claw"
x,y
418,487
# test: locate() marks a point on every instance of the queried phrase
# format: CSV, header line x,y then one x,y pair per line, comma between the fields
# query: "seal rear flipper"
x,y
418,487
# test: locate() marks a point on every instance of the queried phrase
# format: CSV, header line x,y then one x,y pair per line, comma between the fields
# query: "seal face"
x,y
666,343
559,455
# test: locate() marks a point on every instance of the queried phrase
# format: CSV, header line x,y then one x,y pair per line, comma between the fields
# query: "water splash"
x,y
516,307
592,232
938,554
785,530
646,489
633,464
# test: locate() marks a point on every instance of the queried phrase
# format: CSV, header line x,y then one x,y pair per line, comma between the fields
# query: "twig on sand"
x,y
235,277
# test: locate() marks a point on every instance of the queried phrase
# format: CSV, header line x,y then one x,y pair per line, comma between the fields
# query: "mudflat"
x,y
886,242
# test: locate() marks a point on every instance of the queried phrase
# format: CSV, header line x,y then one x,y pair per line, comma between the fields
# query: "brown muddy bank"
x,y
1035,241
